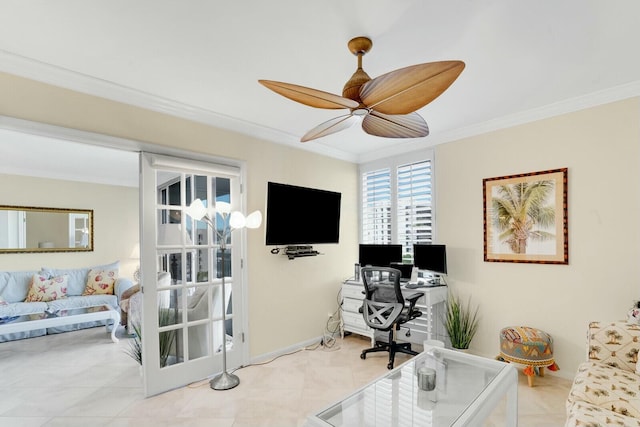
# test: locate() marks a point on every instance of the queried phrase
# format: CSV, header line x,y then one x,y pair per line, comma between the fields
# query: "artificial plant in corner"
x,y
461,321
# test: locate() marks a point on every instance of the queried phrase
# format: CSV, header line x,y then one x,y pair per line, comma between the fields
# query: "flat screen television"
x,y
430,257
301,216
379,255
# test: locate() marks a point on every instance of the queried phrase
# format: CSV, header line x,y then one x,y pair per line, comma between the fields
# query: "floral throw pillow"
x,y
101,282
45,289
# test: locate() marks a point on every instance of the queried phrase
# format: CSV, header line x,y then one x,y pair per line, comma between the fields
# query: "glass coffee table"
x,y
29,322
468,390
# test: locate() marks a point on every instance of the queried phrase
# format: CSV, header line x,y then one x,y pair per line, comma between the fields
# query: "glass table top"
x,y
50,315
463,382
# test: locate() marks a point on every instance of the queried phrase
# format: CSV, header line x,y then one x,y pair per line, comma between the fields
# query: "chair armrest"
x,y
121,285
412,298
614,343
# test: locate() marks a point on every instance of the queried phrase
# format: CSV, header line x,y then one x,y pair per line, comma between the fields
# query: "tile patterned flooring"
x,y
83,379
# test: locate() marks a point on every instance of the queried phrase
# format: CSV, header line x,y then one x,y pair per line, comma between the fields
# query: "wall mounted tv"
x,y
301,215
430,257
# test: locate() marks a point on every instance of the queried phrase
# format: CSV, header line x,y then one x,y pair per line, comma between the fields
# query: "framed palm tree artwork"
x,y
525,218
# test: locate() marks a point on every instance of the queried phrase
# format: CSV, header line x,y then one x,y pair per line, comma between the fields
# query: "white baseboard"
x,y
291,349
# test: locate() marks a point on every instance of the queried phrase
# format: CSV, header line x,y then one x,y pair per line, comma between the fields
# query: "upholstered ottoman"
x,y
527,346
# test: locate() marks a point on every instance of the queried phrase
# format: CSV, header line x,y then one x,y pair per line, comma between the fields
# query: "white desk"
x,y
426,327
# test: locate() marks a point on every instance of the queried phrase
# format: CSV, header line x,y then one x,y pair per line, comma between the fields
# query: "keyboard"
x,y
416,285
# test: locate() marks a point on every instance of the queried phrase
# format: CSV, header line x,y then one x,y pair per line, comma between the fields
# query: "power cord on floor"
x,y
333,330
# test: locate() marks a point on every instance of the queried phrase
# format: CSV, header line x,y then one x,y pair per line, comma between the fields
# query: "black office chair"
x,y
385,308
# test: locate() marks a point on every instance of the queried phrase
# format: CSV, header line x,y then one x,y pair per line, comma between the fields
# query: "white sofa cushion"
x,y
14,285
607,387
581,414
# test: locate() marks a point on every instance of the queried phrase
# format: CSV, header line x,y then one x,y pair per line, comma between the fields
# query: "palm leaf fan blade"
x,y
308,96
395,126
330,126
408,89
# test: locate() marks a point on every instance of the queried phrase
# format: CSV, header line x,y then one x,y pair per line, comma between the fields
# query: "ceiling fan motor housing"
x,y
359,46
351,89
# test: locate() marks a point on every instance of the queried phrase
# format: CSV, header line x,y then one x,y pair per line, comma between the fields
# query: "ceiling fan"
x,y
386,104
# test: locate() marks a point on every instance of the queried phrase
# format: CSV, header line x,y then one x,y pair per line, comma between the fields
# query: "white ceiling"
x,y
201,59
44,157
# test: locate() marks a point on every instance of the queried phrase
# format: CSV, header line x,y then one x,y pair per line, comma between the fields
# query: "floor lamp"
x,y
230,221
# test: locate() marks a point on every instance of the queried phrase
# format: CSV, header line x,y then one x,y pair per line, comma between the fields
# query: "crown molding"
x,y
68,79
57,76
606,96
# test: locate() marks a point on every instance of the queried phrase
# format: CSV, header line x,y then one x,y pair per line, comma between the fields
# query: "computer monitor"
x,y
379,255
405,270
430,257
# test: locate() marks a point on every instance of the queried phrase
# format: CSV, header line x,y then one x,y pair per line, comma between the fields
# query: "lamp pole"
x,y
225,380
230,221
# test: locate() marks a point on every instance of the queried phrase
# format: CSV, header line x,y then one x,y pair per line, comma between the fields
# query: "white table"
x,y
467,393
35,321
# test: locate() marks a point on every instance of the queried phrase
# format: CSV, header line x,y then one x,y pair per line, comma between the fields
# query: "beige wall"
x,y
601,149
288,300
115,215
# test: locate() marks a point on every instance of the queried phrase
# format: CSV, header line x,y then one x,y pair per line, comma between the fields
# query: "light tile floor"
x,y
83,379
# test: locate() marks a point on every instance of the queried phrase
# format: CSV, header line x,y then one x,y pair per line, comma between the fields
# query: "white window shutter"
x,y
376,206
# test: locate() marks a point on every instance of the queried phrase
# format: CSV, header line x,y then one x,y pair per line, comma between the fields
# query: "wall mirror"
x,y
35,229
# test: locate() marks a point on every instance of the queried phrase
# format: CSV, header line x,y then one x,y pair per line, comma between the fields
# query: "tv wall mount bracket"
x,y
296,251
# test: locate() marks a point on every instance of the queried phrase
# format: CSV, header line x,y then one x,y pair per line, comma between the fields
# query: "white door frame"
x,y
157,379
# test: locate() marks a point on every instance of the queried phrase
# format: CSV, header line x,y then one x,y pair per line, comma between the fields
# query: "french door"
x,y
182,328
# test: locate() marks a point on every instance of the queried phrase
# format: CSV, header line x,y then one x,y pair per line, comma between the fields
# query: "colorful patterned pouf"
x,y
527,346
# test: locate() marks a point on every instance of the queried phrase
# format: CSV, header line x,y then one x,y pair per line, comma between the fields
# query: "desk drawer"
x,y
354,319
353,291
352,305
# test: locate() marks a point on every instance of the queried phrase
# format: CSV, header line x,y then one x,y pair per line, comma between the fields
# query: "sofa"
x,y
606,388
49,290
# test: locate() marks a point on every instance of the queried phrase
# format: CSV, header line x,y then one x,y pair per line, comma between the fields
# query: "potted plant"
x,y
167,339
461,321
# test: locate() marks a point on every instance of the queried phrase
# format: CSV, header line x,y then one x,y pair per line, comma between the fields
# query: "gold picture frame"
x,y
525,218
30,229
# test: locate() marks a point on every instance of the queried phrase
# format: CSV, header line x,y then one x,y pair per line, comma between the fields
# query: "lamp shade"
x,y
237,220
196,209
253,220
223,208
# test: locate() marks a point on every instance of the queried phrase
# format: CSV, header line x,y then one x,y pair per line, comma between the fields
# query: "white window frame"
x,y
393,163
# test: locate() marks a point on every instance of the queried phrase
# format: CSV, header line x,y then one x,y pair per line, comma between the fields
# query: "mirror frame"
x,y
88,212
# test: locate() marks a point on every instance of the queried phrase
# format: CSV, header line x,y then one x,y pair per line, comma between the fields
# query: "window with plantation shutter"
x,y
414,205
376,206
397,201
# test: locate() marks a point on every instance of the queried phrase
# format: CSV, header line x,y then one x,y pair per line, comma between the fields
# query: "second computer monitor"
x,y
430,257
